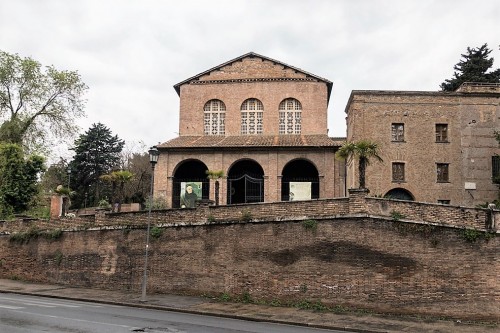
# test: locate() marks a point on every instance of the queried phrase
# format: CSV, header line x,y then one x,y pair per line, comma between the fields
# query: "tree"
x,y
97,152
215,175
55,175
364,150
137,190
118,179
18,179
473,68
36,104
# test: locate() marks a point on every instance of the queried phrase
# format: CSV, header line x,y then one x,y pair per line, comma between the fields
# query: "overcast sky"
x,y
131,53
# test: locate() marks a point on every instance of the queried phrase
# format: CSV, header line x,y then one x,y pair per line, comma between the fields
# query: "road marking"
x,y
10,307
73,319
38,303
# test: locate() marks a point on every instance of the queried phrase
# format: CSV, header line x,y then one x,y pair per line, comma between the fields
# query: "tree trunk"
x,y
362,169
216,192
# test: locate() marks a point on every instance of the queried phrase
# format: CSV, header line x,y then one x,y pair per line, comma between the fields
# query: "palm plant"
x,y
364,150
215,175
118,179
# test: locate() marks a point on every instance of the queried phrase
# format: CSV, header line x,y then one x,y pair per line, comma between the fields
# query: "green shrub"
x,y
246,216
225,297
58,257
53,234
246,297
310,224
25,237
156,232
396,216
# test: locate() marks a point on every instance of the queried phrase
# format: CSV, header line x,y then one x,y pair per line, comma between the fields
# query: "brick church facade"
x,y
259,122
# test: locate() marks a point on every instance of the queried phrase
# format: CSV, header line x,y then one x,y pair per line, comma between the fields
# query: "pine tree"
x,y
97,152
473,68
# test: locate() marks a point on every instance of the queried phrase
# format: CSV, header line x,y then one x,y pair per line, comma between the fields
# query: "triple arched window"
x,y
252,117
290,117
214,113
252,112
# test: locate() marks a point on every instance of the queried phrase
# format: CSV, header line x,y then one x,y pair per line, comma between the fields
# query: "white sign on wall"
x,y
300,191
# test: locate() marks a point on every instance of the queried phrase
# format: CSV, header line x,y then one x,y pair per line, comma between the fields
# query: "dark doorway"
x,y
190,173
245,183
300,181
400,194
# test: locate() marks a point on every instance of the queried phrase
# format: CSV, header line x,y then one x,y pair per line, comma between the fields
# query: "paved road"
x,y
31,314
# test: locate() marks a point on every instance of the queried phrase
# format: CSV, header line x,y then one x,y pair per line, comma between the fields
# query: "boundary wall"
x,y
369,253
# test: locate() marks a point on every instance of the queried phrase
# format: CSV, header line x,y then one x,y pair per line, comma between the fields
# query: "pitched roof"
x,y
214,141
328,83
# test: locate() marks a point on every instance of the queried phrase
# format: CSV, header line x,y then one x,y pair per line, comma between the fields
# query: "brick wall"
x,y
358,255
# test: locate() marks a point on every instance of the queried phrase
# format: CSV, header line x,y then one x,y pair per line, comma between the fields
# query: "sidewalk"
x,y
348,322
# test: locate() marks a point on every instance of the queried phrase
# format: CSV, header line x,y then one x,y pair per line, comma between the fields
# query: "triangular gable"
x,y
247,66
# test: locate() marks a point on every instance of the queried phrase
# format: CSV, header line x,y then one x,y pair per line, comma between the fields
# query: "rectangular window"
x,y
495,169
441,132
398,132
442,172
444,202
398,172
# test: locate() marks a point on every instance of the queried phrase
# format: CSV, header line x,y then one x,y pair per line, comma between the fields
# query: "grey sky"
x,y
131,53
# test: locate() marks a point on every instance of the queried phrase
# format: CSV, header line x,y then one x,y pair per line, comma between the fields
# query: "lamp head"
x,y
153,155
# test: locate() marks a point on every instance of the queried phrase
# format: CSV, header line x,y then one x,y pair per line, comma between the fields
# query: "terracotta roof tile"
x,y
206,141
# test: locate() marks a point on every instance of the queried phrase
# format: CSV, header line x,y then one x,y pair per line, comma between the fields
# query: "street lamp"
x,y
69,177
153,159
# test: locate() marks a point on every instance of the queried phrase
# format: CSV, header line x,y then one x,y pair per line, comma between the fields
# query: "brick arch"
x,y
400,194
245,182
302,174
189,171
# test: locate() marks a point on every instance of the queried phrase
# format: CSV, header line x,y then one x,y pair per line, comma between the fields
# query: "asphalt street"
x,y
20,316
33,314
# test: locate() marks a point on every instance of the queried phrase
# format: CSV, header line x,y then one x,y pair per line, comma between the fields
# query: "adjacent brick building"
x,y
437,146
262,123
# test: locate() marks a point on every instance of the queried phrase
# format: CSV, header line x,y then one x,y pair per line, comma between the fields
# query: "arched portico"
x,y
189,177
299,181
245,182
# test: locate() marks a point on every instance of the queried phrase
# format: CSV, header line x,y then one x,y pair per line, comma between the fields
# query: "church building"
x,y
259,124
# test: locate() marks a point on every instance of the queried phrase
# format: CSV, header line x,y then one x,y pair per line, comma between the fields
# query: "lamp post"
x,y
153,159
69,177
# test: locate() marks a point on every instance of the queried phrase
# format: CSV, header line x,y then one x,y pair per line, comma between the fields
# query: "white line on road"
x,y
10,307
71,319
38,303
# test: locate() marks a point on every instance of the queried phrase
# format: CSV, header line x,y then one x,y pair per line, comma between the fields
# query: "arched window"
x,y
290,116
214,117
251,116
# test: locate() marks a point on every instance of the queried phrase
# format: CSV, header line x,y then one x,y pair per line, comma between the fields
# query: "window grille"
x,y
214,117
290,117
252,117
